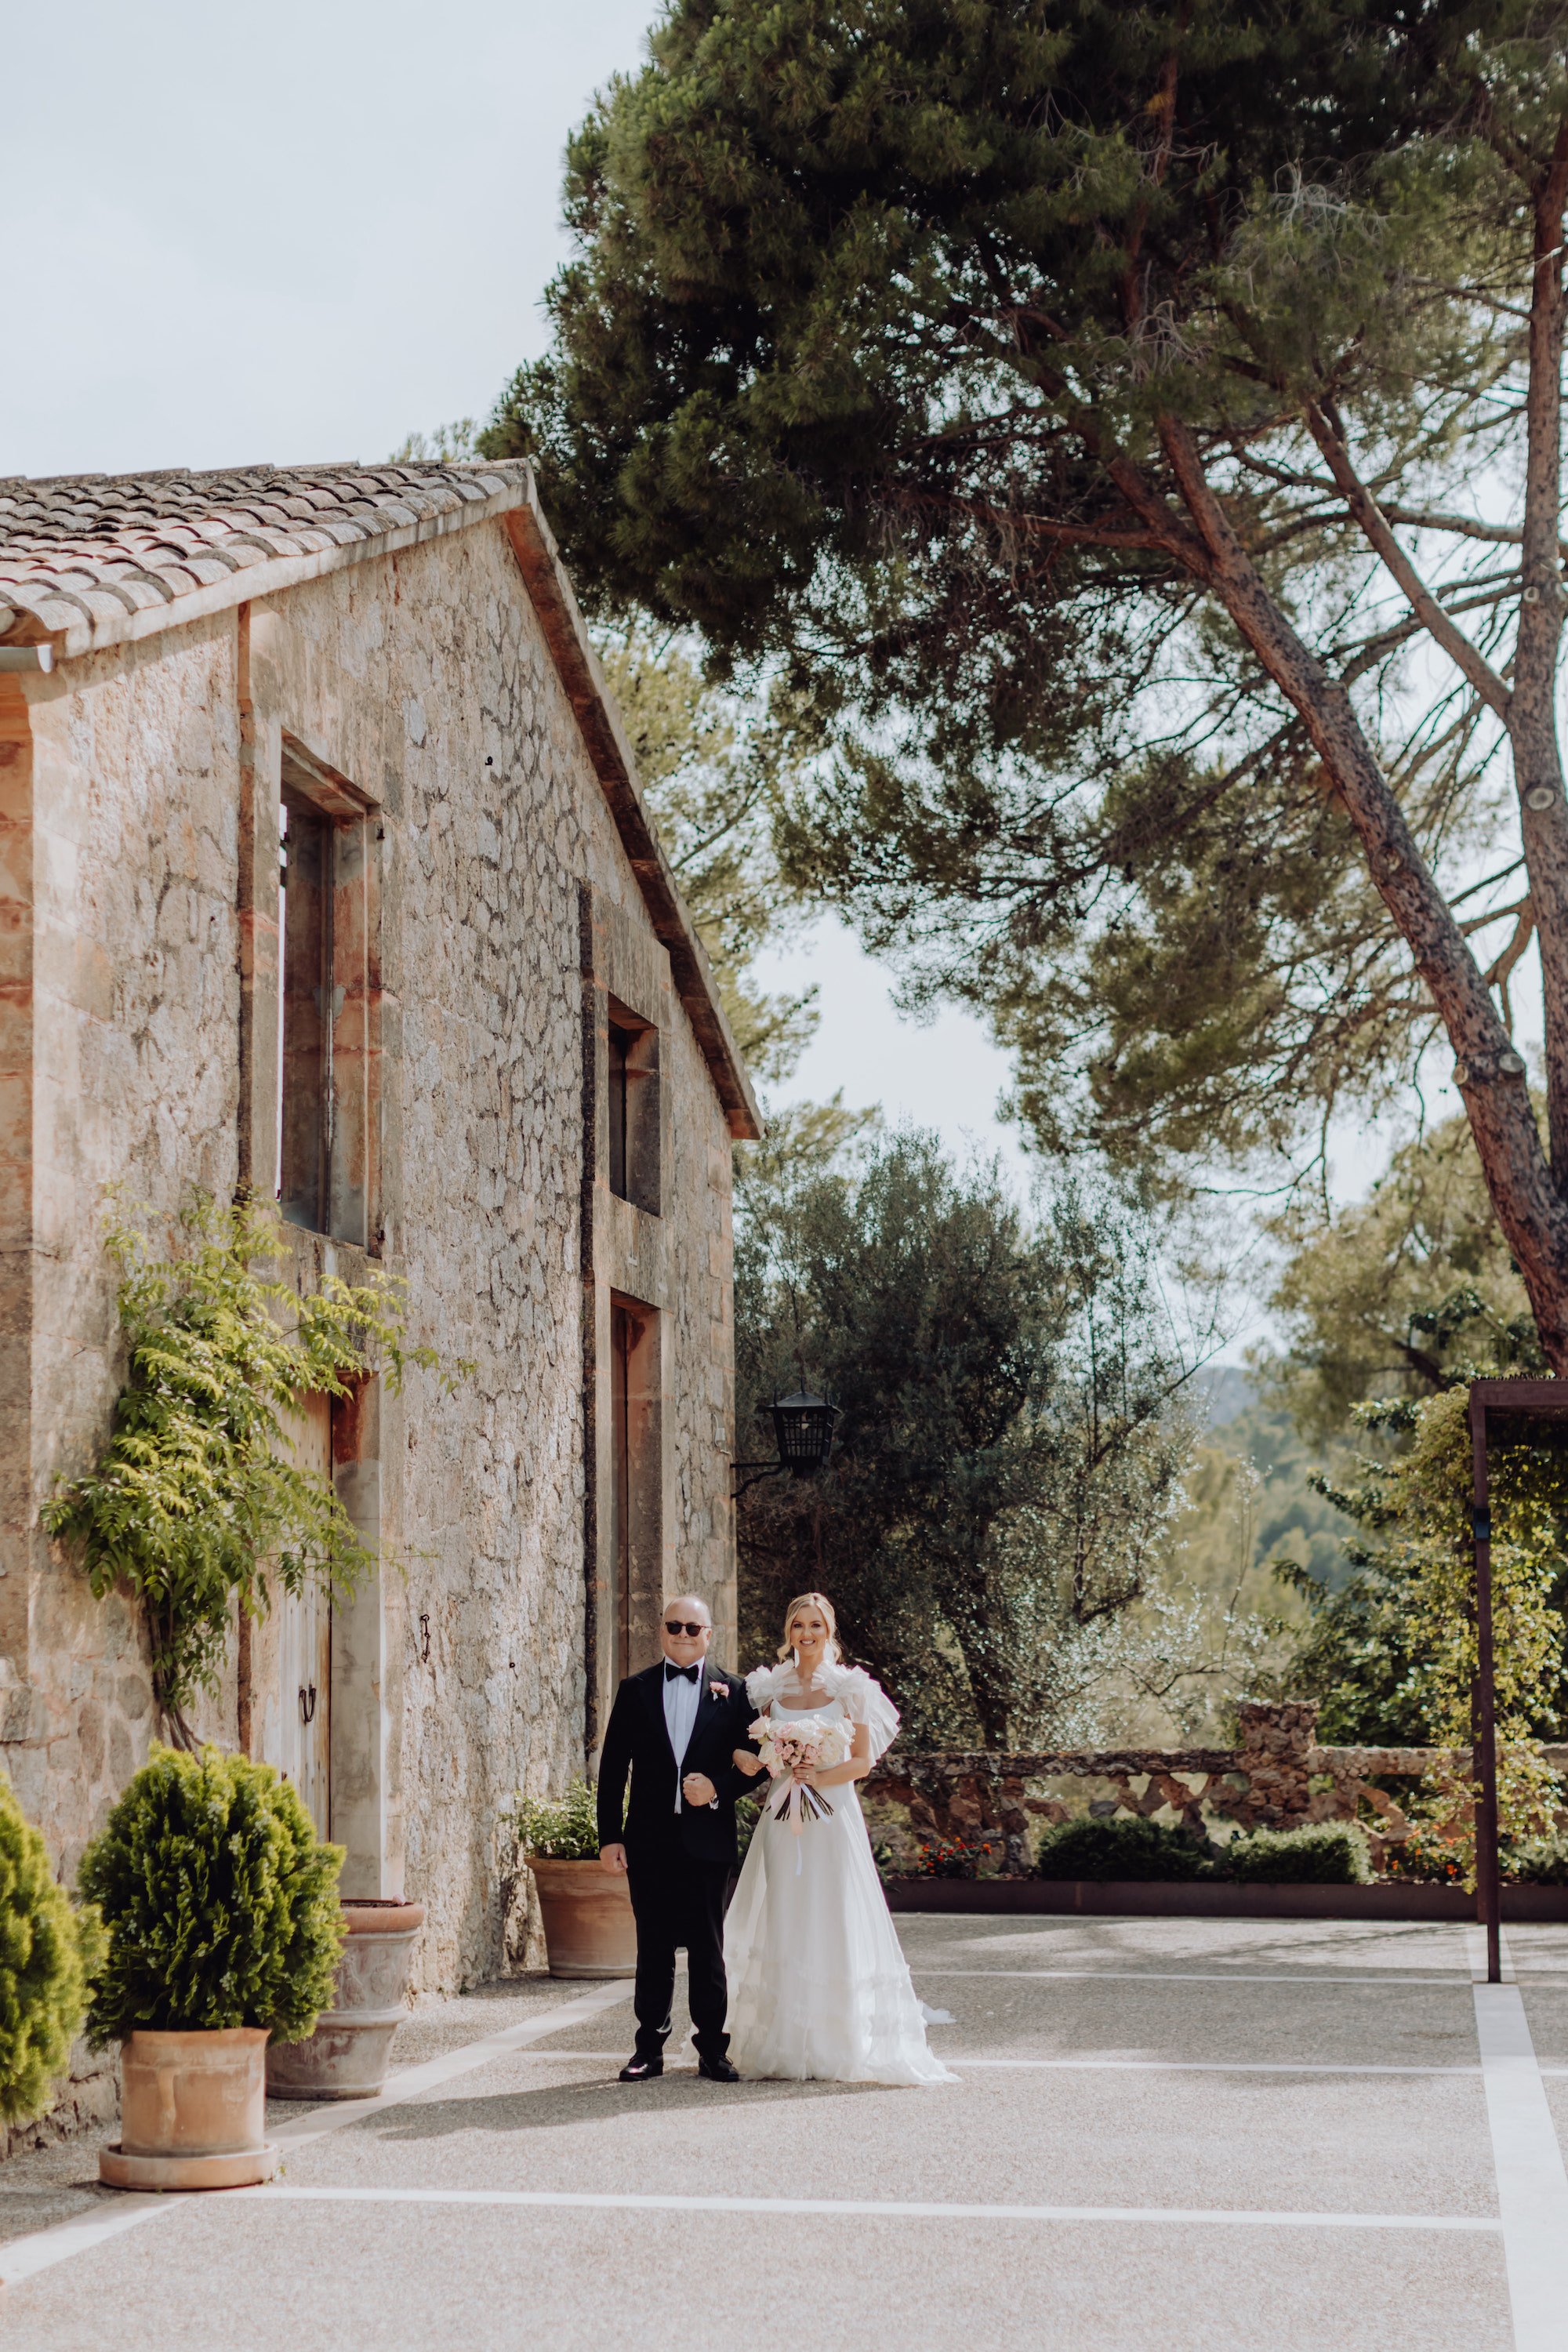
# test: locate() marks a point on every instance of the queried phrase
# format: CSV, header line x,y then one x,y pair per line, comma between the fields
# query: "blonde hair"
x,y
824,1609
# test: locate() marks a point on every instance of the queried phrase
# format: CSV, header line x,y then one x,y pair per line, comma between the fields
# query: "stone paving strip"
x,y
1313,1977
1532,2188
1091,2065
881,2208
961,2061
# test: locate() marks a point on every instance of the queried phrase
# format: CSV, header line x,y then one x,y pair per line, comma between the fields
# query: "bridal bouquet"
x,y
784,1746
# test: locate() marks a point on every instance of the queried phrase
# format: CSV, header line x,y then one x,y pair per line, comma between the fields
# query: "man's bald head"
x,y
681,1646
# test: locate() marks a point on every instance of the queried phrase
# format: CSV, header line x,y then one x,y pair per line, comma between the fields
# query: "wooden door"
x,y
304,1647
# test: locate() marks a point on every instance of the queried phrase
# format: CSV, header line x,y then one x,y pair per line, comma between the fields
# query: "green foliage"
x,y
895,339
1260,1459
1537,1861
1401,1296
48,1951
1123,1845
1403,1293
194,1503
1126,1845
1321,1854
1419,1504
1253,1469
563,1830
1404,1630
1354,1655
219,1900
1251,1510
1011,1439
715,766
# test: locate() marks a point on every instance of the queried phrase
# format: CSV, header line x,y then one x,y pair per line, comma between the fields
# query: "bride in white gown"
x,y
819,1989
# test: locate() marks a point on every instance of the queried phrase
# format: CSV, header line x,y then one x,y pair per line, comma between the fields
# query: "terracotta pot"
x,y
192,2111
589,1930
348,2055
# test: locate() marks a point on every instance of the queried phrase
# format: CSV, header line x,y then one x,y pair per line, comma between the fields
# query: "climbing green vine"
x,y
194,1503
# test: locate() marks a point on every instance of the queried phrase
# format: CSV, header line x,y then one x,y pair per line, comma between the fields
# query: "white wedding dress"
x,y
819,1989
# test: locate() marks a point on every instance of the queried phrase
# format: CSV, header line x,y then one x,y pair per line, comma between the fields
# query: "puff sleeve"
x,y
763,1683
867,1702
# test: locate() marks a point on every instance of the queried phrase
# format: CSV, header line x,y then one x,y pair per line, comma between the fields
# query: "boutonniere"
x,y
718,1690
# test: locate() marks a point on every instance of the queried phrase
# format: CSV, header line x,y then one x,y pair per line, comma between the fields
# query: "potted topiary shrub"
x,y
47,1949
220,1907
348,2055
589,1930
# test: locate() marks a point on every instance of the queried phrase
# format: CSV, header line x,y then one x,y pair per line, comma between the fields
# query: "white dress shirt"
x,y
681,1701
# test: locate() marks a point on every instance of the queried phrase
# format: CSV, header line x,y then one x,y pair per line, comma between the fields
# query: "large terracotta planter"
x,y
348,2055
193,2112
589,1930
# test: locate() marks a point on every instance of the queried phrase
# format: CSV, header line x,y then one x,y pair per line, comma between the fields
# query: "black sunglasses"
x,y
674,1625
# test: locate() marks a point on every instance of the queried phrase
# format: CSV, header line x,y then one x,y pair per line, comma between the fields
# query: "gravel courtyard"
x,y
1166,2136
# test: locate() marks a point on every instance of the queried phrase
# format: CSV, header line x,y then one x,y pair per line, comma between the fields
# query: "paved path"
x,y
1167,2136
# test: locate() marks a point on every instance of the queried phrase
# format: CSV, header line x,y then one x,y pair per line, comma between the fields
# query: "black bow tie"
x,y
680,1673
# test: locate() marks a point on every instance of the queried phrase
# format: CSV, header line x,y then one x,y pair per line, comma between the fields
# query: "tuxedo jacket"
x,y
636,1742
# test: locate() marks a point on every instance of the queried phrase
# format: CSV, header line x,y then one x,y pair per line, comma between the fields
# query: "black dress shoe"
x,y
641,2070
717,2070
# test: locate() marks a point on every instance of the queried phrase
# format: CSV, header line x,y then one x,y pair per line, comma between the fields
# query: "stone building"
x,y
473,1041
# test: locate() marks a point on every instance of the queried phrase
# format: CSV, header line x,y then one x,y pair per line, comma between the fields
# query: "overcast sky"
x,y
287,236
298,235
283,234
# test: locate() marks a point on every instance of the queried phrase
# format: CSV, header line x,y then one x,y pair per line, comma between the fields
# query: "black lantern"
x,y
802,1430
802,1424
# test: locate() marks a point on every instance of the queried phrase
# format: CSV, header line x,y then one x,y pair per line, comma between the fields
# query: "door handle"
x,y
306,1703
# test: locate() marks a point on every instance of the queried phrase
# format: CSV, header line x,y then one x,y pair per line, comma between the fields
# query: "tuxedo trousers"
x,y
679,1901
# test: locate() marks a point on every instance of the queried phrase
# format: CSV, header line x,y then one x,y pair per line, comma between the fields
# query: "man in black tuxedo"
x,y
676,1728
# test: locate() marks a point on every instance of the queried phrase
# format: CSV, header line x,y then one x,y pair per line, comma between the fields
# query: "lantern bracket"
x,y
802,1429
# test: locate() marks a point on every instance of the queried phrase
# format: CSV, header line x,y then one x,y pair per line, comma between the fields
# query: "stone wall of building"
x,y
424,679
134,1009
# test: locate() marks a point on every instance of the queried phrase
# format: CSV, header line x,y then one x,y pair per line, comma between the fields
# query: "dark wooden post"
x,y
1483,1759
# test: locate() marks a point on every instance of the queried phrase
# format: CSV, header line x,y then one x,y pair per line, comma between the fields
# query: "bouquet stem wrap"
x,y
800,1804
814,1743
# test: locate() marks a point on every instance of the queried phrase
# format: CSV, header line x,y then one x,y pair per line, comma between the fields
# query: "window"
x,y
621,1043
634,1109
329,1004
305,983
638,1530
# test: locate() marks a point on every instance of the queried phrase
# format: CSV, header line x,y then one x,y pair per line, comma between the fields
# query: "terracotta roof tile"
x,y
89,544
98,558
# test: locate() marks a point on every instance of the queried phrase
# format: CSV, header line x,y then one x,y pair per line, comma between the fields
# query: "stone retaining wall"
x,y
1279,1778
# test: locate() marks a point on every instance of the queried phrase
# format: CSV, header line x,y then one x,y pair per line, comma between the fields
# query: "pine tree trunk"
x,y
1523,1183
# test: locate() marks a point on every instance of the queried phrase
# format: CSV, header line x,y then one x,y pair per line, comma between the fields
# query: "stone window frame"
x,y
636,1546
352,1110
625,1266
633,1108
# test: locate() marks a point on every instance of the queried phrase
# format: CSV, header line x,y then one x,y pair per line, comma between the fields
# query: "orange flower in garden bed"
x,y
1419,1863
951,1858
